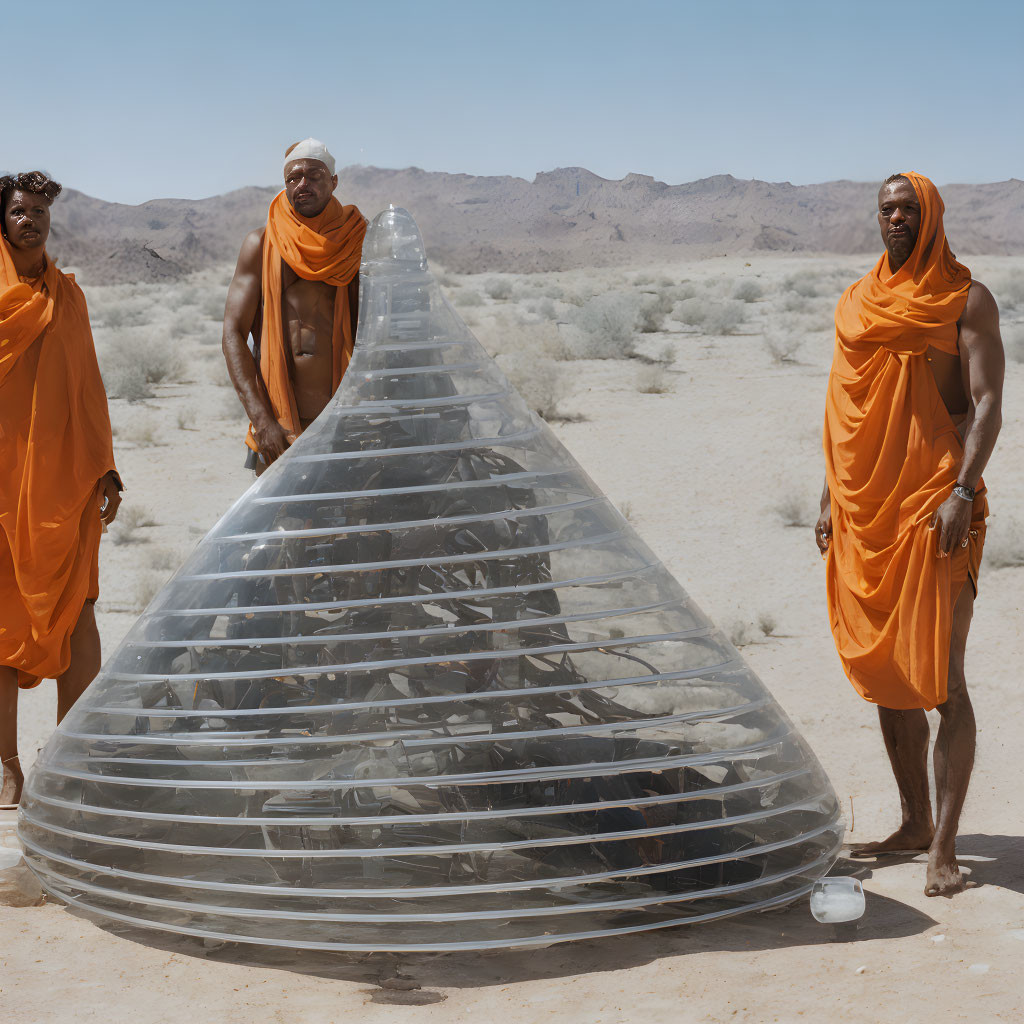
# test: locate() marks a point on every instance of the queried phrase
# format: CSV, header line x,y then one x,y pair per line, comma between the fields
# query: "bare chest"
x,y
950,375
307,312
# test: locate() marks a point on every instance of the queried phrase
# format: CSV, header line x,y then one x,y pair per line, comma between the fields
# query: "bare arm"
x,y
239,313
981,353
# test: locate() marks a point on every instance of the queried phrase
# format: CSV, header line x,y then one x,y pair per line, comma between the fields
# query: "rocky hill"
x,y
562,219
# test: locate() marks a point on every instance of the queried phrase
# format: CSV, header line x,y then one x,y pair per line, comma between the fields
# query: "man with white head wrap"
x,y
296,291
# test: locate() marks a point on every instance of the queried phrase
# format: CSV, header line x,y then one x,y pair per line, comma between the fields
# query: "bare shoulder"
x,y
981,312
251,253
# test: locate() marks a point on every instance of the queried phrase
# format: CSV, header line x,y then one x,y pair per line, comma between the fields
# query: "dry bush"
x,y
1004,544
604,327
766,623
741,633
140,431
654,307
541,382
781,347
231,407
628,512
125,380
712,316
1013,342
147,586
793,512
653,380
186,418
462,298
212,305
1008,289
506,334
499,288
218,374
162,559
130,520
808,283
129,362
747,291
545,309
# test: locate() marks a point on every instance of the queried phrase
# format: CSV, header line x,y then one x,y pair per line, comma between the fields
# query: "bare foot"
x,y
906,839
944,877
10,790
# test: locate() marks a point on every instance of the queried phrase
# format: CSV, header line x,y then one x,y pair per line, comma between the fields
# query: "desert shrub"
x,y
127,355
691,311
130,520
162,559
766,623
1004,544
231,407
545,309
186,418
604,327
653,380
1008,289
1013,342
747,291
807,283
554,291
793,512
117,314
141,432
541,382
212,304
147,586
643,279
499,288
654,307
741,633
463,297
725,317
782,346
125,380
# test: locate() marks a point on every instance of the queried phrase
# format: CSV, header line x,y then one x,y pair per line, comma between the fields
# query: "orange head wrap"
x,y
892,455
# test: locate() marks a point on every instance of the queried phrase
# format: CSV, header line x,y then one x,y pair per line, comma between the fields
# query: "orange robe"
x,y
55,446
892,455
325,248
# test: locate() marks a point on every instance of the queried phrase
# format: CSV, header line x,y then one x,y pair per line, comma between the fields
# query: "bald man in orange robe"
x,y
912,413
296,291
58,482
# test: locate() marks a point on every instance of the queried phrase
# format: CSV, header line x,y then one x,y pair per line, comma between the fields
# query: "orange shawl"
x,y
892,455
55,446
325,248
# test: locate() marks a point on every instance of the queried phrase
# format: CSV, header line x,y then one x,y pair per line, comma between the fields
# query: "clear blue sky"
x,y
136,100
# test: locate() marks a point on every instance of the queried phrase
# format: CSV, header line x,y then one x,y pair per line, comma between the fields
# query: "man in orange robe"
x,y
911,417
296,291
57,477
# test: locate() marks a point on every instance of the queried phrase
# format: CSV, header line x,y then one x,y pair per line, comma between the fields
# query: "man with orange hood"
x,y
912,413
58,484
296,291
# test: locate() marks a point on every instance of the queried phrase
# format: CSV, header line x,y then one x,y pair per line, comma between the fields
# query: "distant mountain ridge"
x,y
565,218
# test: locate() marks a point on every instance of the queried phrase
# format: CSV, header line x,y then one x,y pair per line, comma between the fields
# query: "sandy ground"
x,y
704,470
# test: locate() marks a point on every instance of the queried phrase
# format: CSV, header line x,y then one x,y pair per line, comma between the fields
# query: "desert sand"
x,y
711,471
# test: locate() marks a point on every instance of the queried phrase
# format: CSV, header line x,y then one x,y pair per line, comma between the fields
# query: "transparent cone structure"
x,y
423,688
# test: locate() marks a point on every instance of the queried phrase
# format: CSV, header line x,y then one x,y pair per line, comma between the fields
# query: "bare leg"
x,y
85,662
12,778
906,741
953,758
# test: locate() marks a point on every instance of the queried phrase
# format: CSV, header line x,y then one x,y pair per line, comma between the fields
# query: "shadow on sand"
x,y
410,978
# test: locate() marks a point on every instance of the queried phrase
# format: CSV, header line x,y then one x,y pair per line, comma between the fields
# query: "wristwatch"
x,y
963,491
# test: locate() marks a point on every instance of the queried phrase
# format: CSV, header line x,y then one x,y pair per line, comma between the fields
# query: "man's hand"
x,y
823,529
271,439
951,522
110,498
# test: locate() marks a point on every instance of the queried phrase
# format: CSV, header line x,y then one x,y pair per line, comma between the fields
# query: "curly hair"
x,y
28,181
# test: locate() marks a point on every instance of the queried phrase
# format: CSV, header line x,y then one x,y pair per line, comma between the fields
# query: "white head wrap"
x,y
310,149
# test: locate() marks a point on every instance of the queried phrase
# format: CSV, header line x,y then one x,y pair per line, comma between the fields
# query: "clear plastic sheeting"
x,y
423,688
